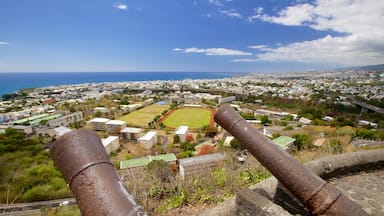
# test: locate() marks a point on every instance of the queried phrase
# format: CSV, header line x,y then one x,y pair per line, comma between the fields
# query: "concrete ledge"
x,y
270,196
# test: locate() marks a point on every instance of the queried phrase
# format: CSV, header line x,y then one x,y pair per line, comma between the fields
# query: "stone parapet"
x,y
269,197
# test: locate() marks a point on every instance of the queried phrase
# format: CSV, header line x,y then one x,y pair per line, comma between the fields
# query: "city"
x,y
164,129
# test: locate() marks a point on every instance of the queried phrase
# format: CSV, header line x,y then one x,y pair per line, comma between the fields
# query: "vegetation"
x,y
27,173
142,117
194,118
222,182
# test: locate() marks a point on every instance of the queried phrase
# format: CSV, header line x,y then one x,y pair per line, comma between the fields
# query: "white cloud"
x,y
214,51
259,47
120,6
256,14
244,60
360,24
231,13
216,2
4,43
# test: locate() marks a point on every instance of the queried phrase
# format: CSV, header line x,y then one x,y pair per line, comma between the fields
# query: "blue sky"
x,y
189,35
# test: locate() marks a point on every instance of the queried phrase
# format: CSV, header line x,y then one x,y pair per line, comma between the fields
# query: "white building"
x,y
305,120
66,120
60,131
227,99
23,129
148,140
99,124
115,126
200,165
111,144
129,133
182,132
101,109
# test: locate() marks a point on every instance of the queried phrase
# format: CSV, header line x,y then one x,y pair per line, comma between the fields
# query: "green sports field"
x,y
142,117
194,118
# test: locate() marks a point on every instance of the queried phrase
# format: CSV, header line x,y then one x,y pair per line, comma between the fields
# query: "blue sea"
x,y
12,82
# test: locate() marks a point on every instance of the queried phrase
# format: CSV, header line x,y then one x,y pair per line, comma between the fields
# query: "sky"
x,y
189,35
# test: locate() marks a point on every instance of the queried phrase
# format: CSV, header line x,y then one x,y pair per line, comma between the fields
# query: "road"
x,y
14,209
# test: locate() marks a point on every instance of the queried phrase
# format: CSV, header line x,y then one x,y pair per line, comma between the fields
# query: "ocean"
x,y
12,82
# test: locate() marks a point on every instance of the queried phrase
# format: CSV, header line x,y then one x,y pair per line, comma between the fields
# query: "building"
x,y
111,144
284,142
98,124
101,110
23,129
305,121
129,133
115,126
226,99
148,140
144,161
66,120
182,132
60,131
199,165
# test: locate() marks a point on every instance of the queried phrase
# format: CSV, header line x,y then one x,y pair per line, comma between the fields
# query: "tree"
x,y
303,141
236,144
211,131
189,138
176,139
205,149
160,169
98,114
264,120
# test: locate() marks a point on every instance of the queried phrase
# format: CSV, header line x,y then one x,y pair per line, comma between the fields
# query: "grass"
x,y
142,117
192,117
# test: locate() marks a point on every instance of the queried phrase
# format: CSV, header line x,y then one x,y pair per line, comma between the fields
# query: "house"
x,y
60,131
148,140
144,161
305,121
101,110
367,123
284,142
226,99
182,132
3,128
98,124
23,129
130,133
66,120
199,165
115,126
111,144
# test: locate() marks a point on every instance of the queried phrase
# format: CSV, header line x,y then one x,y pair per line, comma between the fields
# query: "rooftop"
x,y
131,130
109,139
148,136
116,122
283,141
143,161
181,130
99,120
201,159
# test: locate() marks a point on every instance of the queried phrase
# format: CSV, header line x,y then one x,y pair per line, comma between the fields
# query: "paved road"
x,y
361,143
14,208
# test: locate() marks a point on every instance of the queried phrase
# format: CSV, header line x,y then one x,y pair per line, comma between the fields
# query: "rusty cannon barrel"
x,y
320,197
84,163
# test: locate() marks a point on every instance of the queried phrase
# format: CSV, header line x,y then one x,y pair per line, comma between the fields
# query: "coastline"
x,y
13,82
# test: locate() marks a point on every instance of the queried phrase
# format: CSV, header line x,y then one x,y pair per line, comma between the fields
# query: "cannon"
x,y
84,163
320,197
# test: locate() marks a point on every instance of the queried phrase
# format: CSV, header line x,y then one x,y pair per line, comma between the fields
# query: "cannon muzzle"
x,y
84,163
320,197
